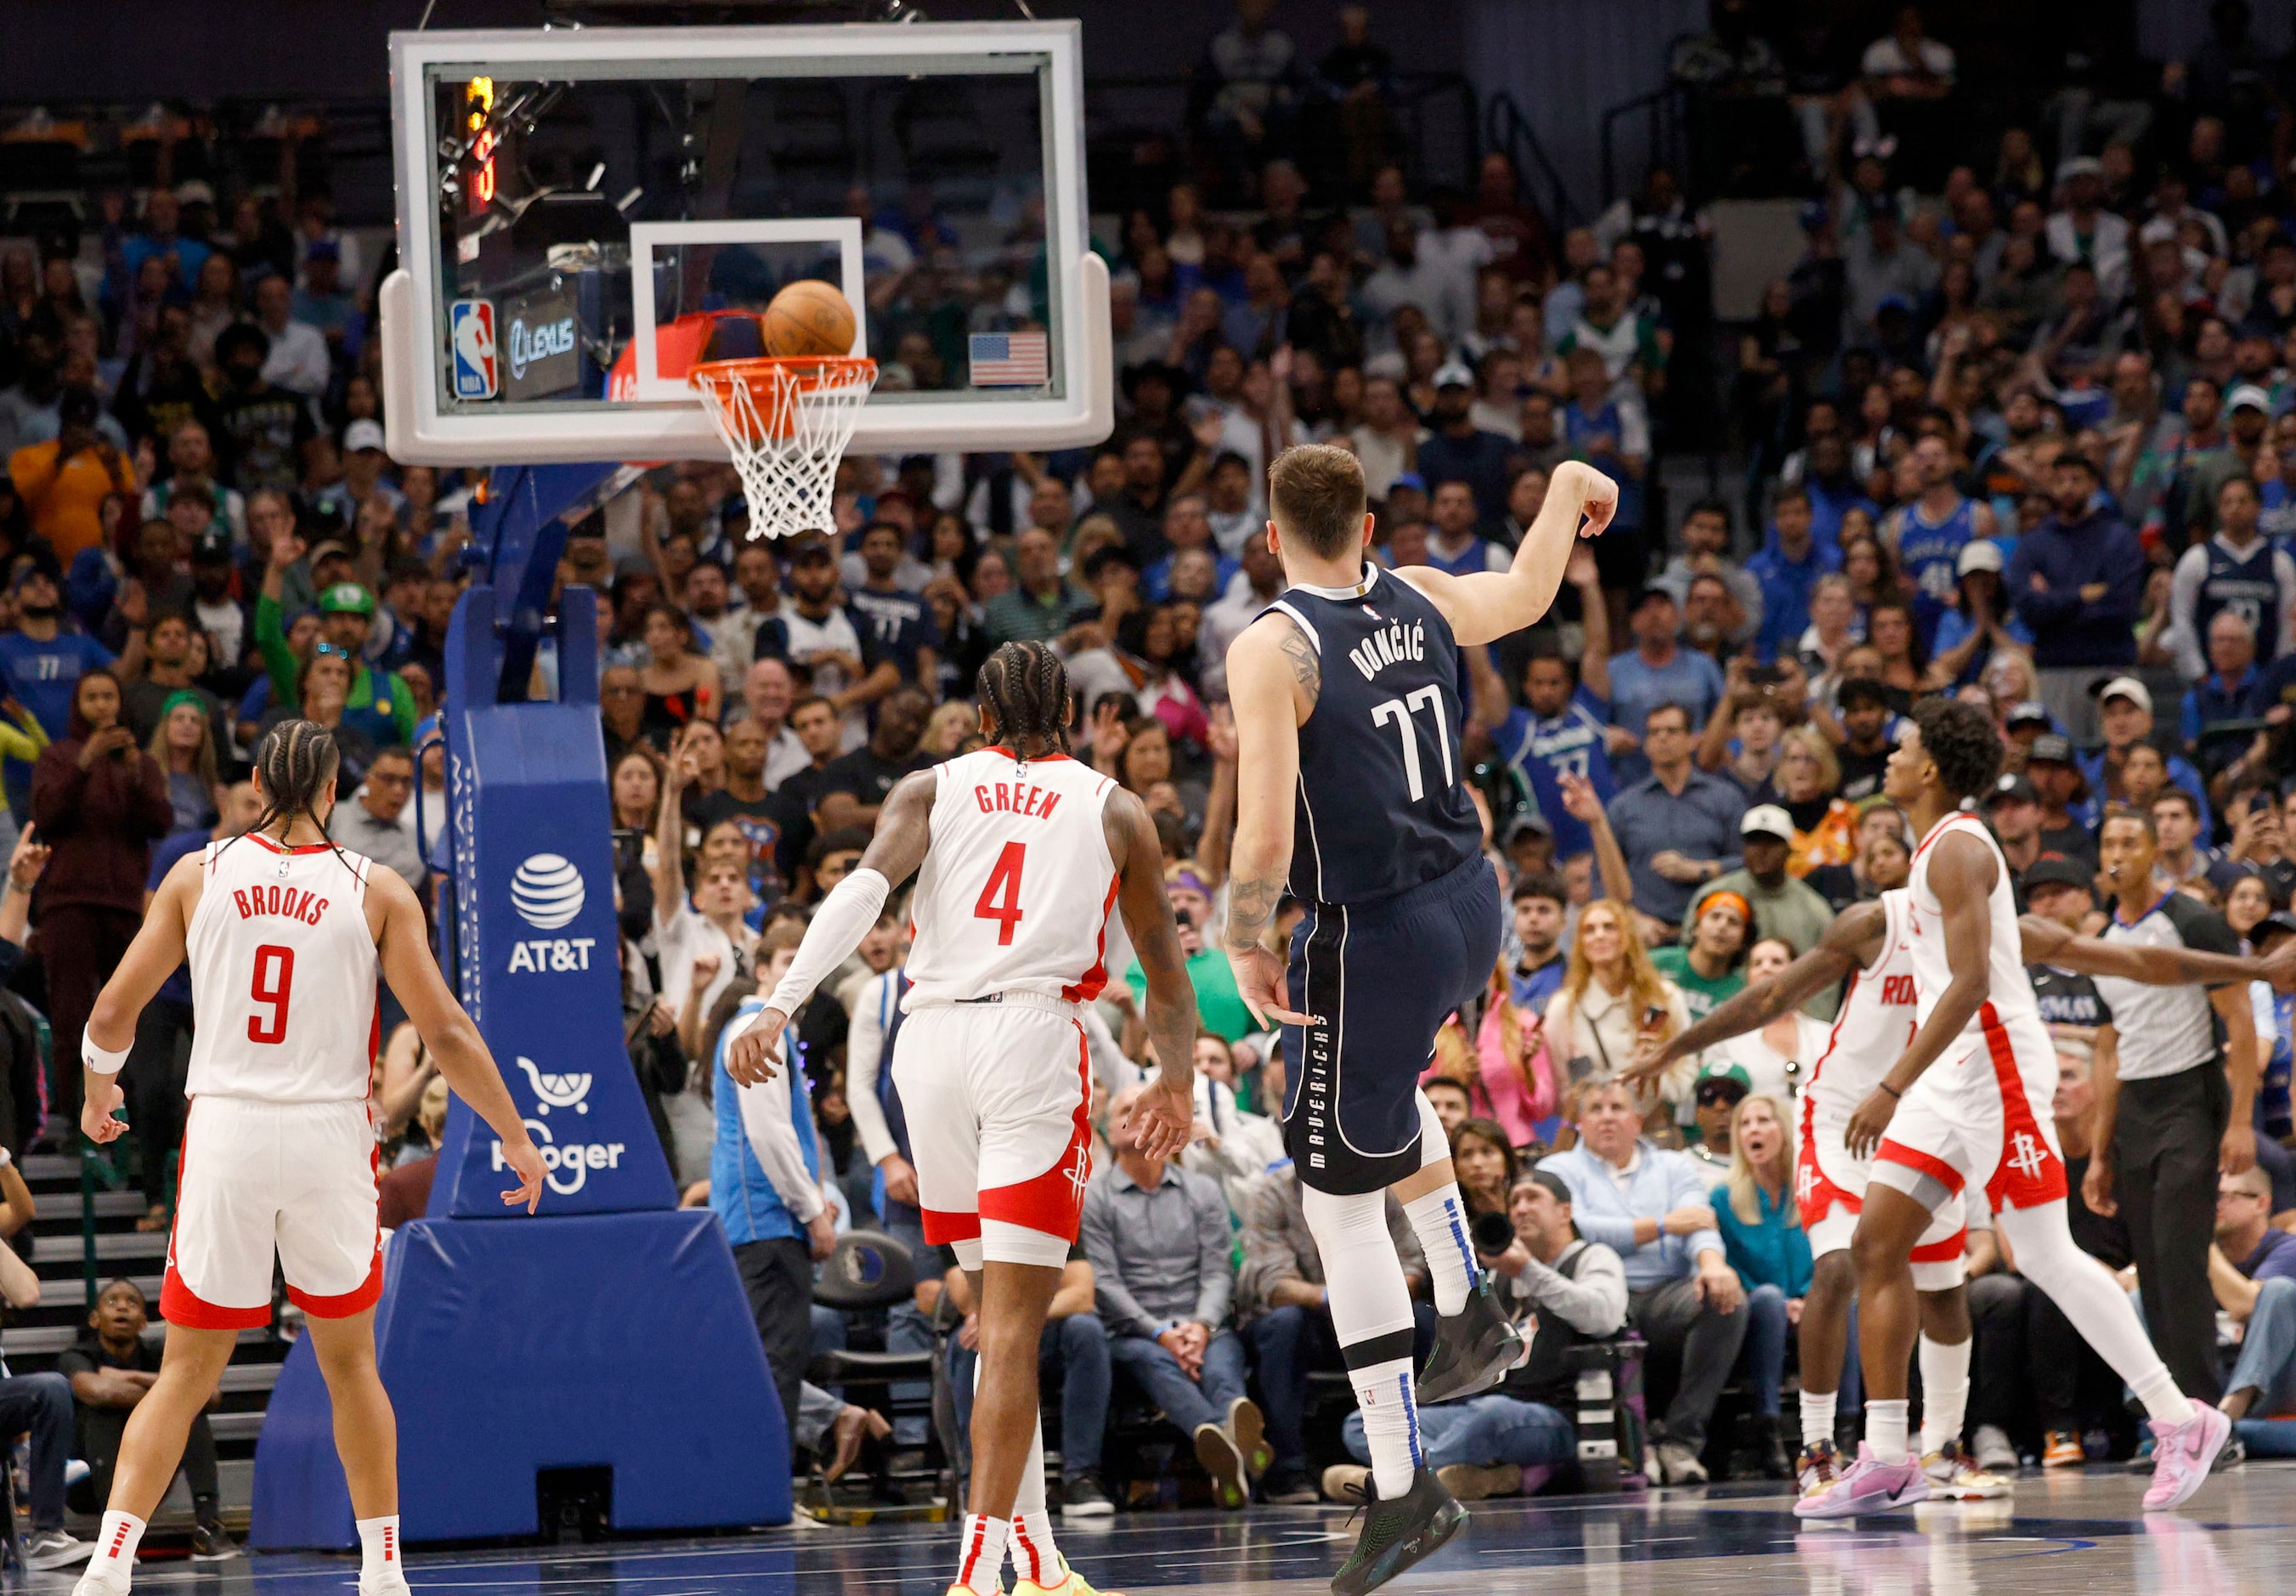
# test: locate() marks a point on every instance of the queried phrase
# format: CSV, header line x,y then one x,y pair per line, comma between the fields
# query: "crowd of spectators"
x,y
2021,432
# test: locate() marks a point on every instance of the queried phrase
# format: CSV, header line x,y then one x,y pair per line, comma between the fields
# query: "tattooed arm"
x,y
1273,676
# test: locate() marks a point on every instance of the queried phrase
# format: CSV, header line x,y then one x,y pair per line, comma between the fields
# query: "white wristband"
x,y
104,1061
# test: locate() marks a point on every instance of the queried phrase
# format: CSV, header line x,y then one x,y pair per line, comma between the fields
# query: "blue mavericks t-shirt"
x,y
164,858
1545,748
897,625
42,675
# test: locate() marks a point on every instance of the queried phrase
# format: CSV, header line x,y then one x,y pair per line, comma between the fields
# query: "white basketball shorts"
x,y
998,1099
1830,1190
259,1178
1986,1116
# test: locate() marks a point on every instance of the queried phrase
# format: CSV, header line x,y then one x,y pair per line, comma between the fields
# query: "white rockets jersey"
x,y
2009,1001
1016,886
283,969
1876,1021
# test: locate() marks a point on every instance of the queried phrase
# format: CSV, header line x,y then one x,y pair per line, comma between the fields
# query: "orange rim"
x,y
771,397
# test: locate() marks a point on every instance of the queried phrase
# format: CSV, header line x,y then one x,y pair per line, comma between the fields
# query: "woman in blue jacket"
x,y
1762,1237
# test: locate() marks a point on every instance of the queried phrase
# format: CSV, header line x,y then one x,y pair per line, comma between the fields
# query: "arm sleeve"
x,y
865,1046
843,919
2184,596
1117,1304
1593,1304
1215,1277
773,1136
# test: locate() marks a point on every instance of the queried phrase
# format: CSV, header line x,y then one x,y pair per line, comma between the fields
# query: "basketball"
x,y
807,319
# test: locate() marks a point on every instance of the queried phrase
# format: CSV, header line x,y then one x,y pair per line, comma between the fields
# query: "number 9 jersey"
x,y
1015,889
283,967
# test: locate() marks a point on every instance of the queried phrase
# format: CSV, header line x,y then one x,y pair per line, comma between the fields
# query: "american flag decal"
x,y
1009,359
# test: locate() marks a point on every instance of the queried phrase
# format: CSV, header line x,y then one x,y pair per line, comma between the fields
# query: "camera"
x,y
1493,1233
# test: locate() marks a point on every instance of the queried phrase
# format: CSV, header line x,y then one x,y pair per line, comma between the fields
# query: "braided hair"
x,y
1025,689
298,761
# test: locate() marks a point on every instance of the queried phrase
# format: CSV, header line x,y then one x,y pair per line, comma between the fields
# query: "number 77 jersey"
x,y
1383,802
1017,883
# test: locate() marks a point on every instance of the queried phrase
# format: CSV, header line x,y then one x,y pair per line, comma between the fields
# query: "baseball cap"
x,y
1724,1083
1980,555
1453,373
1407,479
802,549
193,191
1768,819
346,598
1648,591
2031,712
211,548
1537,824
2281,923
362,434
2125,686
2057,872
1551,1183
2051,748
2080,166
329,549
2248,396
2014,789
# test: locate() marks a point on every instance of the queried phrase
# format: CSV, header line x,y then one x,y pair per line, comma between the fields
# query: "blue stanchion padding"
x,y
622,1340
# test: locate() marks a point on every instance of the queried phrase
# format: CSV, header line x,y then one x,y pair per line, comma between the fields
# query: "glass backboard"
x,y
578,207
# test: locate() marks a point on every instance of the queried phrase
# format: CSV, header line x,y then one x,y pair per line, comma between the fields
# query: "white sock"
x,y
1817,1417
1391,1416
980,1564
379,1548
2085,1291
1440,1220
1885,1429
1035,1557
114,1561
1945,1392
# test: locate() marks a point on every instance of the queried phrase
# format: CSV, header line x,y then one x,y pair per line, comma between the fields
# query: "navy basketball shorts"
x,y
1380,978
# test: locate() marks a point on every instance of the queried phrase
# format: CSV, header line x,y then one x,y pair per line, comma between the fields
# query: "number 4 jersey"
x,y
1382,803
283,969
1015,889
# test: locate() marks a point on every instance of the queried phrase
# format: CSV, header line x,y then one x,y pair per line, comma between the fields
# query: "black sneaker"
x,y
212,1543
1081,1497
1473,1347
1399,1533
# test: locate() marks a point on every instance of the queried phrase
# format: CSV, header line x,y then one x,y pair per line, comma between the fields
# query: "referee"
x,y
2176,1106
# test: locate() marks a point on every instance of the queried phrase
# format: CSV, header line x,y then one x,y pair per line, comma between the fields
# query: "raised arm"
x,y
1165,1113
448,1033
1963,871
1579,801
1595,621
904,832
1846,945
670,838
1274,675
1487,604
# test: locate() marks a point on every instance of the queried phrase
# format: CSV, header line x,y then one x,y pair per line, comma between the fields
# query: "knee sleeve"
x,y
1370,1301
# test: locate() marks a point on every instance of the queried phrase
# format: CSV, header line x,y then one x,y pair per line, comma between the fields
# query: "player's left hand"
x,y
750,1056
95,1116
1164,1117
1260,982
1872,1118
2237,1152
525,1160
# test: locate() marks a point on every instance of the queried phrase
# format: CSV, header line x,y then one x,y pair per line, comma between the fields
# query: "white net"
x,y
786,424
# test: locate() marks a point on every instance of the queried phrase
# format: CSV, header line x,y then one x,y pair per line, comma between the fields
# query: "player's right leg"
x,y
153,1448
367,1440
1883,1475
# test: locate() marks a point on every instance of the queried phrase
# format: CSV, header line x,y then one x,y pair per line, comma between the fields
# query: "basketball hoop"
x,y
786,422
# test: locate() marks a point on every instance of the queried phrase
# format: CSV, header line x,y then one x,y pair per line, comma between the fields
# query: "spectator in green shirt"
x,y
1708,969
380,707
1042,604
1217,1006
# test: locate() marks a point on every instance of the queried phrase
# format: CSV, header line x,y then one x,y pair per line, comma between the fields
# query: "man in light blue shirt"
x,y
1651,1207
1657,670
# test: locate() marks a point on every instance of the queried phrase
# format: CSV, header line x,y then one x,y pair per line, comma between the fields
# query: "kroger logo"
x,y
547,891
566,1164
531,344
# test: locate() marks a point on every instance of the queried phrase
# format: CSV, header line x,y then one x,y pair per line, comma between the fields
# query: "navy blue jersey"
x,y
1931,555
2248,584
1382,804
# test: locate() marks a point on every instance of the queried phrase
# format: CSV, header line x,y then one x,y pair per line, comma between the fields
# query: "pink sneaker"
x,y
1867,1486
2183,1455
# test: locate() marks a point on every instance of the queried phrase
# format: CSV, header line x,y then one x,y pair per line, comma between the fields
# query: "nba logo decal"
x,y
477,376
